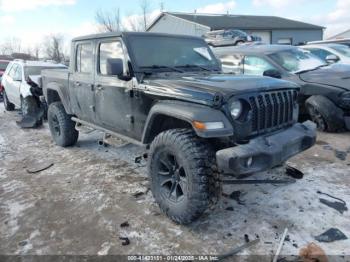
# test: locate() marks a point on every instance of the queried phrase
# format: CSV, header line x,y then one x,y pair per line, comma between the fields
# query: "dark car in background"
x,y
3,66
229,37
325,89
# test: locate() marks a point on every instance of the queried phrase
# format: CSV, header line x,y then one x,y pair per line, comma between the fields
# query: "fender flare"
x,y
187,112
62,93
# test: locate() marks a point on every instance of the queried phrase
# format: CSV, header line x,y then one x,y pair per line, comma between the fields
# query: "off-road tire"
x,y
325,114
194,160
7,104
62,128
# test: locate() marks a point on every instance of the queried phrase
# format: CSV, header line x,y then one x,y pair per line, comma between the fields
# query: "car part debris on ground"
x,y
294,173
339,206
279,249
125,241
38,167
331,235
125,224
239,249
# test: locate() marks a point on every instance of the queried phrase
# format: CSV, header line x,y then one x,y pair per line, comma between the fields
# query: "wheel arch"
x,y
55,93
167,115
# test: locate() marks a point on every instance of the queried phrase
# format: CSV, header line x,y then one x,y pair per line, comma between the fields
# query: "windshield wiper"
x,y
197,66
174,69
312,69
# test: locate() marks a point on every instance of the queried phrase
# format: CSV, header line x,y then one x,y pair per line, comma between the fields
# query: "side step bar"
x,y
122,137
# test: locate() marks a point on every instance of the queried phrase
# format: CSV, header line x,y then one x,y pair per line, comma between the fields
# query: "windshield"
x,y
36,70
296,60
171,52
3,65
343,49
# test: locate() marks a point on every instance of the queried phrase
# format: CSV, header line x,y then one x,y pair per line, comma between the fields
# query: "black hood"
x,y
337,75
199,87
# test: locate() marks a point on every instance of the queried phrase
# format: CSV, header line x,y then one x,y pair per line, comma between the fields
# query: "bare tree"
x,y
54,48
145,9
139,22
36,51
10,46
109,21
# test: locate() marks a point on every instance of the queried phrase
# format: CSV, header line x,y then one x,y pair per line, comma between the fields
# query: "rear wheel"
x,y
62,128
180,166
7,104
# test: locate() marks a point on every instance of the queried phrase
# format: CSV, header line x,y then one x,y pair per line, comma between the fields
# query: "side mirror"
x,y
115,67
332,59
273,73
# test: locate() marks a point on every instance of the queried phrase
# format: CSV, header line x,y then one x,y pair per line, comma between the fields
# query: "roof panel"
x,y
216,22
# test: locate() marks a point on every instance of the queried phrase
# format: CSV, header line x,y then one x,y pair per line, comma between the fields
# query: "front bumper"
x,y
267,151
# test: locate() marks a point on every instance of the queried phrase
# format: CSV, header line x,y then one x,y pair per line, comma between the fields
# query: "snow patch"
x,y
105,248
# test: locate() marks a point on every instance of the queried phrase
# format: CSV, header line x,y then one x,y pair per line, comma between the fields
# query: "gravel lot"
x,y
77,205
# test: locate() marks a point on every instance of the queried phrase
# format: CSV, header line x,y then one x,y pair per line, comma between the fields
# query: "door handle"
x,y
77,83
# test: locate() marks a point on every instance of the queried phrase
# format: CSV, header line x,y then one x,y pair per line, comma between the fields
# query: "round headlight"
x,y
236,109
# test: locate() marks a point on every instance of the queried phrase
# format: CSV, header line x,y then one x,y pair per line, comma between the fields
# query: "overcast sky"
x,y
31,20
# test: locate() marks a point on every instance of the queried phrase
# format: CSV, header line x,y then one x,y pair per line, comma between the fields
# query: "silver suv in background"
x,y
229,37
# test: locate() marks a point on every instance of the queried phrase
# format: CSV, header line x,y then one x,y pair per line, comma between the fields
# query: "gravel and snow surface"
x,y
77,205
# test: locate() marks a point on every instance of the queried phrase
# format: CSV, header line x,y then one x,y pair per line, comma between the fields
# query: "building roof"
x,y
339,36
244,22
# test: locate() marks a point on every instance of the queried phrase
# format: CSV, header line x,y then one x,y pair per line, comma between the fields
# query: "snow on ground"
x,y
77,205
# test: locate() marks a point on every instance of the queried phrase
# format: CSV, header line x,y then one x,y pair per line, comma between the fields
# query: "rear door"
x,y
113,96
81,82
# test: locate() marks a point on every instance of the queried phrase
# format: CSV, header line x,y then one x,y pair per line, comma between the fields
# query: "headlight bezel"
x,y
238,107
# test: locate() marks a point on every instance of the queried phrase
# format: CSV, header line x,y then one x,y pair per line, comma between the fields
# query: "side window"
x,y
18,74
320,53
109,50
232,64
13,70
83,63
256,66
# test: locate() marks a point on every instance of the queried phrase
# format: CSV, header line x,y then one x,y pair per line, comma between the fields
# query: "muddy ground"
x,y
78,205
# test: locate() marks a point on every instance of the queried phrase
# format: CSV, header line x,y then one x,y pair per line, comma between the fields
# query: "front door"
x,y
113,96
81,82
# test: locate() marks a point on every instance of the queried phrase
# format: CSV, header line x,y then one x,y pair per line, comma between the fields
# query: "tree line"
x,y
52,47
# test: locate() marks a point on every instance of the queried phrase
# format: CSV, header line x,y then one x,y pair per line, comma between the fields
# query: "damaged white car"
x,y
22,89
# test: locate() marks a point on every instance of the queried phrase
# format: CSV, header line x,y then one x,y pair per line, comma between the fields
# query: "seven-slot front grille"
x,y
272,110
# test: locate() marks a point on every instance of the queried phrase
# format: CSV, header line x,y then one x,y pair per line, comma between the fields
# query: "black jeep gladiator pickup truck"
x,y
168,93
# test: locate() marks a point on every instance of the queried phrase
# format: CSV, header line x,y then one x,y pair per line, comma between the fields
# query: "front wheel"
x,y
62,127
7,104
180,165
327,116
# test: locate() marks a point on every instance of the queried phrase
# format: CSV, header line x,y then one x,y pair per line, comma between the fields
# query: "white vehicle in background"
x,y
330,53
22,88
